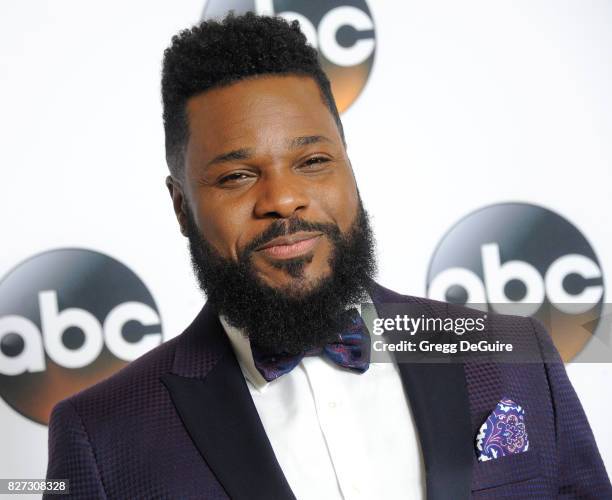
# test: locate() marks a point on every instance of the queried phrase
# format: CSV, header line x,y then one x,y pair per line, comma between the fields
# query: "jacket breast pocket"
x,y
505,470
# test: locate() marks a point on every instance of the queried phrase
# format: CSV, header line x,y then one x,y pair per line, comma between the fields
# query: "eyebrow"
x,y
307,140
236,155
246,153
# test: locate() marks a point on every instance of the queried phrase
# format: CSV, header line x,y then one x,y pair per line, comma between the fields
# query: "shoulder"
x,y
137,389
128,385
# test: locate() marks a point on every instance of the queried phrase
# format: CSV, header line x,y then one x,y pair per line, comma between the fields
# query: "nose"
x,y
280,196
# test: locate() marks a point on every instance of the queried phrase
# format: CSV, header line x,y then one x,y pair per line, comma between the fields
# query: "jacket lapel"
x,y
211,396
440,407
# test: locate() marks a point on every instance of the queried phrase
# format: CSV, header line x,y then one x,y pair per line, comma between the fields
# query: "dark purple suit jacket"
x,y
179,422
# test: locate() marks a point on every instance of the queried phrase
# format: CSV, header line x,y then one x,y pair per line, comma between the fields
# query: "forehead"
x,y
261,110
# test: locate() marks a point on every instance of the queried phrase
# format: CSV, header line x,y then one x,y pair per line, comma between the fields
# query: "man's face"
x,y
264,152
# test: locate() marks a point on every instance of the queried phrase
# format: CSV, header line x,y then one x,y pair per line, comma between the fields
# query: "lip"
x,y
294,245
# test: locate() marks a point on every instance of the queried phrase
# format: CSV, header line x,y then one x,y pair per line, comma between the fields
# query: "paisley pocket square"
x,y
503,432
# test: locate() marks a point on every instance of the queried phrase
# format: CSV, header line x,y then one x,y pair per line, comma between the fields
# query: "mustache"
x,y
286,227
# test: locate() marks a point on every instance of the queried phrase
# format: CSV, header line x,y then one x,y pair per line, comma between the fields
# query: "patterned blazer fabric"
x,y
179,422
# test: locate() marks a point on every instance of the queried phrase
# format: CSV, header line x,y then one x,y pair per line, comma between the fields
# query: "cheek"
x,y
222,225
340,200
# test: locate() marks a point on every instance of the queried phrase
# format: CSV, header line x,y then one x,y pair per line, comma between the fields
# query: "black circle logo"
x,y
341,30
69,318
517,254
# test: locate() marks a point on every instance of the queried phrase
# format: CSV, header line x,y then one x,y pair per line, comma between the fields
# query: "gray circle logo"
x,y
69,318
341,30
511,257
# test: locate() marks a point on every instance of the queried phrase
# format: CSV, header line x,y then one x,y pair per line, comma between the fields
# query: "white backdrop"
x,y
468,104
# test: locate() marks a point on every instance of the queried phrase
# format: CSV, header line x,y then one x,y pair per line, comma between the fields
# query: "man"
x,y
268,394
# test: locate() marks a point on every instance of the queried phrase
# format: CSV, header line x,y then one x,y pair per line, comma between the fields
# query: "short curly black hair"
x,y
217,53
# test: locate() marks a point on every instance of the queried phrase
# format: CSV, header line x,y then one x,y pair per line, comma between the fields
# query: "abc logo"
x,y
69,318
342,32
518,258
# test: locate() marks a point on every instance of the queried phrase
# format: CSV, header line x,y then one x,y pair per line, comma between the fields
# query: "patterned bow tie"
x,y
351,350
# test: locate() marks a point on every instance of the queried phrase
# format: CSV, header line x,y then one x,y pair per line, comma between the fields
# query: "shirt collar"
x,y
242,349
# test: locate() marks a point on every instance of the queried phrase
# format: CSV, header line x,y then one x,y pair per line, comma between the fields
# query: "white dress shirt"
x,y
337,434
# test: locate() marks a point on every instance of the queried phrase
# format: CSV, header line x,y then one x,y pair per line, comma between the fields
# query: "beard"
x,y
293,318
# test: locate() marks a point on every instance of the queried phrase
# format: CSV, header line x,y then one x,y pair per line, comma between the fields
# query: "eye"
x,y
314,162
233,178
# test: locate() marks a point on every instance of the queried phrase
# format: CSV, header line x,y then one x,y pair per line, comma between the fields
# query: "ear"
x,y
179,202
